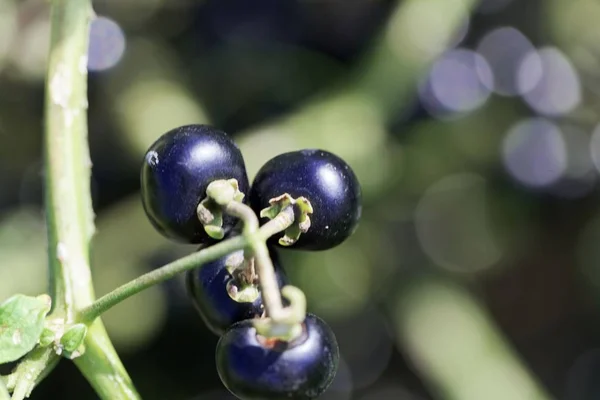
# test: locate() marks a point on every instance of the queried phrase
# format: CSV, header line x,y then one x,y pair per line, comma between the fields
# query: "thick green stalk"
x,y
69,210
68,201
103,368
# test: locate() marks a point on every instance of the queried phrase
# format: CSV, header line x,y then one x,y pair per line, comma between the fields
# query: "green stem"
x,y
278,224
159,275
68,200
102,367
262,259
253,238
3,391
70,217
32,370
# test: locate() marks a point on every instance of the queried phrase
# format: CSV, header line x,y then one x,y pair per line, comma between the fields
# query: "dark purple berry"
x,y
176,171
209,286
253,367
326,181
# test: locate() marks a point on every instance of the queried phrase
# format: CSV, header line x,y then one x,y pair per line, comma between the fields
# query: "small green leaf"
x,y
21,325
47,337
224,191
73,337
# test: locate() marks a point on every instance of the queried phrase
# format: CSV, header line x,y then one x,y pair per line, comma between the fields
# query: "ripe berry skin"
x,y
176,171
207,288
250,368
326,181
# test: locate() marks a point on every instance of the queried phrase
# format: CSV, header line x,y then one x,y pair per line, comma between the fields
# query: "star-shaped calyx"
x,y
301,208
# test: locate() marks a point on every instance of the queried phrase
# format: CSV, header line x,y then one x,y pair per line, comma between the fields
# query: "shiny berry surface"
x,y
207,287
176,171
254,368
326,181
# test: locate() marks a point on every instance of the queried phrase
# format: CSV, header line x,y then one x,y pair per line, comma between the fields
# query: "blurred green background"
x,y
473,127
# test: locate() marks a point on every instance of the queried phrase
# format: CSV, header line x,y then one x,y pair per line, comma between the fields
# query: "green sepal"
x,y
270,329
235,261
210,209
21,325
244,294
224,191
301,207
210,215
289,325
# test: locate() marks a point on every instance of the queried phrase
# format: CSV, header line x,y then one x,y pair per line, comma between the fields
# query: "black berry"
x,y
176,171
326,181
252,367
209,289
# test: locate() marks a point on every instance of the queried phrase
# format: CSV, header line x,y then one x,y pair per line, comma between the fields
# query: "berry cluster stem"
x,y
262,260
160,275
253,239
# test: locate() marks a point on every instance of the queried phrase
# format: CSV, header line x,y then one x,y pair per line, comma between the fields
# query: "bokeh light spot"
x,y
558,89
453,225
534,152
107,44
580,175
504,49
454,85
595,147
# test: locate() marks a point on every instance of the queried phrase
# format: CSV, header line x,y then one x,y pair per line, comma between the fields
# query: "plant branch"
x,y
253,239
35,367
68,201
69,213
102,367
160,275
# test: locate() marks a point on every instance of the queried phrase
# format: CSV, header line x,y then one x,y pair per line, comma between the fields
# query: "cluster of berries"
x,y
314,190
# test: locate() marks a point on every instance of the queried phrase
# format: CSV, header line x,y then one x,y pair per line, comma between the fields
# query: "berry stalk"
x,y
160,275
281,322
253,239
262,260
